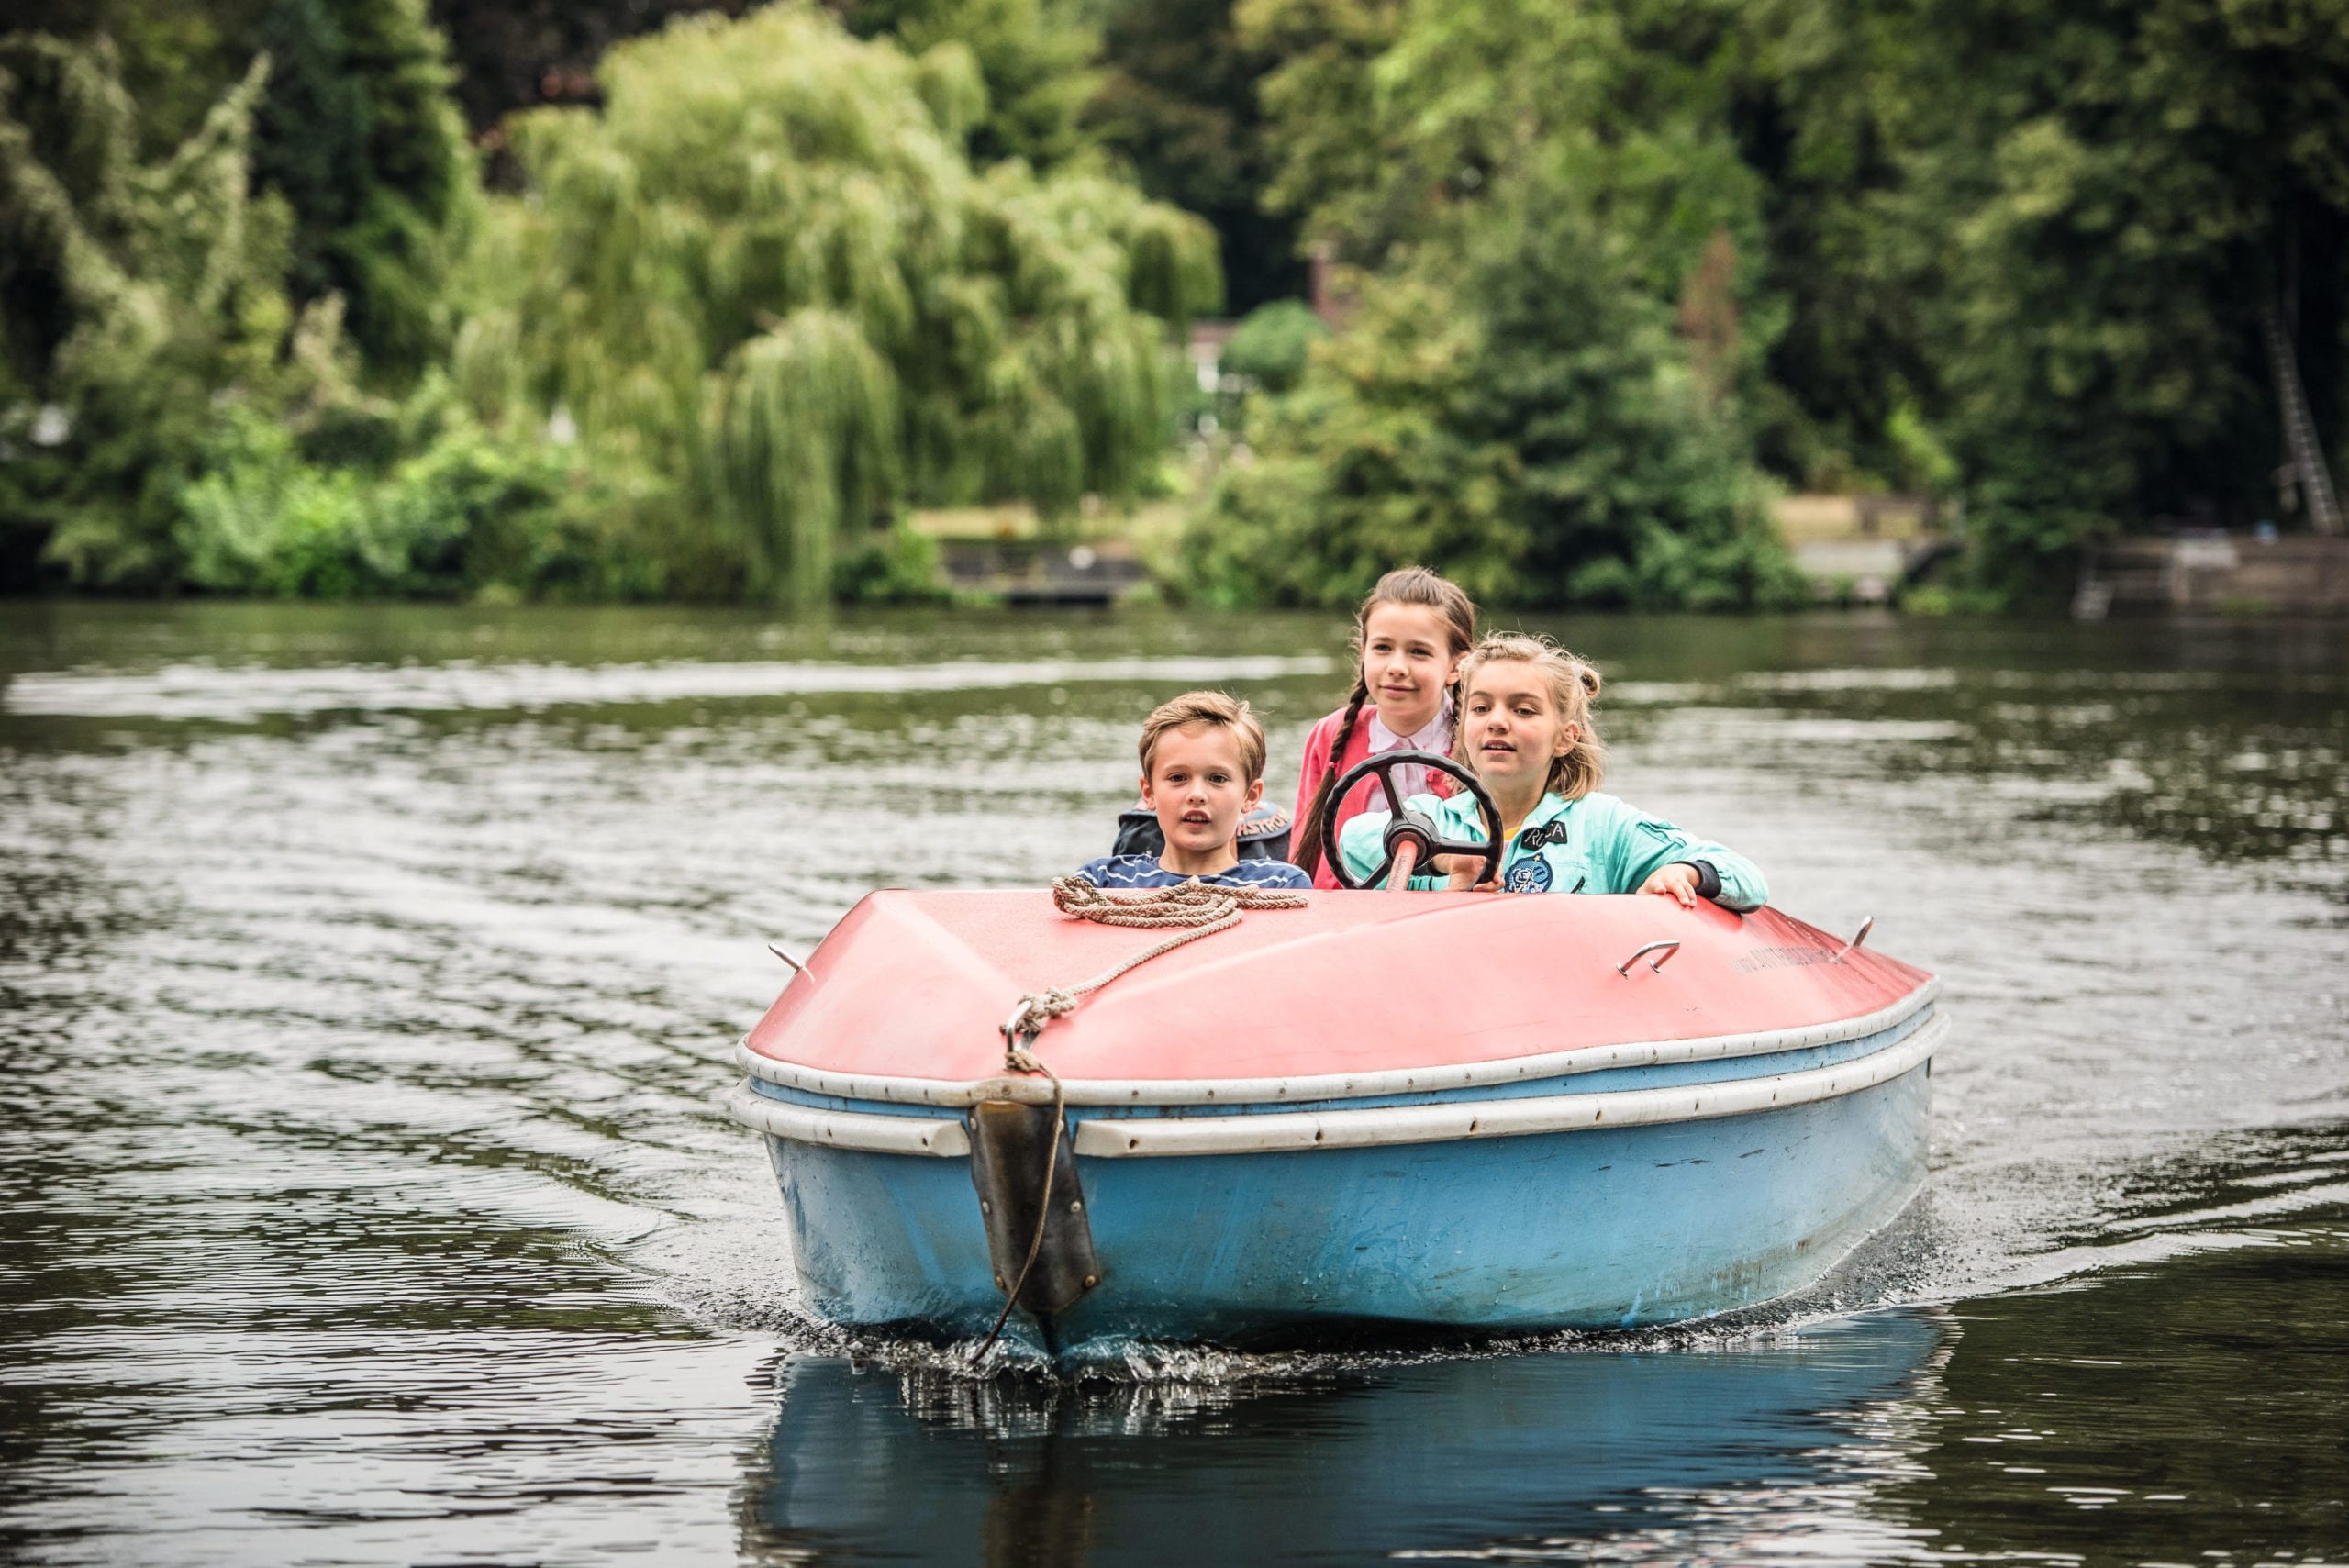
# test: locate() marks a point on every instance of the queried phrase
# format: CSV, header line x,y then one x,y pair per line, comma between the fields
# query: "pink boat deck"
x,y
918,984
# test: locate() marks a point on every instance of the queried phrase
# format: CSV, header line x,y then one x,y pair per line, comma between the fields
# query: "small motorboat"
x,y
1407,1113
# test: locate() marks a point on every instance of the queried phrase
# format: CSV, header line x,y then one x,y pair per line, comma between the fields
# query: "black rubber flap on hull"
x,y
1010,1146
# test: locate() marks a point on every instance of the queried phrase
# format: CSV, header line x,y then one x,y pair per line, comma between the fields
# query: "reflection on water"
x,y
2198,1414
1731,1453
367,974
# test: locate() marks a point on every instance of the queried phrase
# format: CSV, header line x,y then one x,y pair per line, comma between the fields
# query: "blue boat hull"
x,y
1604,1227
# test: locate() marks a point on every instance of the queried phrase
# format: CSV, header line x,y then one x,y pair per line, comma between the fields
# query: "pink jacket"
x,y
1364,796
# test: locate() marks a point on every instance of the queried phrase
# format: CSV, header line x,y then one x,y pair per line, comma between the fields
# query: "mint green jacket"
x,y
1596,844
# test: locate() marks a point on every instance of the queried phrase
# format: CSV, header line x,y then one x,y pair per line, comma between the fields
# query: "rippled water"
x,y
367,977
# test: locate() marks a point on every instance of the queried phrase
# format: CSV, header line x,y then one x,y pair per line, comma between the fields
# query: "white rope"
x,y
1198,908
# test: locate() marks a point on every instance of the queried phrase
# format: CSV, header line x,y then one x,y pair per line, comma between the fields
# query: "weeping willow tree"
x,y
766,266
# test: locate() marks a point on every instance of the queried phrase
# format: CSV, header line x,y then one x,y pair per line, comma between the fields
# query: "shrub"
x,y
1516,412
1272,344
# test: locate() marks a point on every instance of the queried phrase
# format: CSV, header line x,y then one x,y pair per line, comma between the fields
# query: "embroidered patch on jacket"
x,y
1529,875
1534,839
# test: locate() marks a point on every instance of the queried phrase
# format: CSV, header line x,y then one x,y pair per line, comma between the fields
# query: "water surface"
x,y
367,976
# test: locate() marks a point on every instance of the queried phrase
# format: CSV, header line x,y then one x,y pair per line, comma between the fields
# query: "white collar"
x,y
1434,736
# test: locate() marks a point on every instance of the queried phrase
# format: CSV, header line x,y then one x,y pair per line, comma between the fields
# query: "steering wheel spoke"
x,y
1459,847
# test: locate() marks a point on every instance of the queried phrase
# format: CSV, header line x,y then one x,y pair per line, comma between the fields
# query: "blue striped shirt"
x,y
1143,871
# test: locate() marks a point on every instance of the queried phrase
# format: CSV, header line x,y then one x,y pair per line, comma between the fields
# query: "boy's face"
x,y
1197,787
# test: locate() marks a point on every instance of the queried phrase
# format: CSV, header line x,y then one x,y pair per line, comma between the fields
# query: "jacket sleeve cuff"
x,y
1709,880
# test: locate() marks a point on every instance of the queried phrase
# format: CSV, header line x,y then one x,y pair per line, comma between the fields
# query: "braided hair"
x,y
1404,585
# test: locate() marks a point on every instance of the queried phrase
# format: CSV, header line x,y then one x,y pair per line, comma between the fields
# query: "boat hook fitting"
x,y
1655,965
1854,945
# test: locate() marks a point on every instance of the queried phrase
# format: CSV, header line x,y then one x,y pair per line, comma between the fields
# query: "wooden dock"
x,y
1032,572
1862,547
2295,575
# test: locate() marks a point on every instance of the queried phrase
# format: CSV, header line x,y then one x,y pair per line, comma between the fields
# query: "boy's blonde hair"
x,y
1573,687
1207,707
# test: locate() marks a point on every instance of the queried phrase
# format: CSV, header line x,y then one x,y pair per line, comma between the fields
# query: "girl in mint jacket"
x,y
1525,725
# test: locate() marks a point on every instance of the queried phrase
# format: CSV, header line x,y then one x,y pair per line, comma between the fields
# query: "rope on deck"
x,y
1196,909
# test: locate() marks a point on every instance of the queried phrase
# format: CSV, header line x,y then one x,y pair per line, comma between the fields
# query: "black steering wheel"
x,y
1409,826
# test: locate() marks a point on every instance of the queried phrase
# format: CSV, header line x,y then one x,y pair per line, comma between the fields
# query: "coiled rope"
x,y
1198,909
1201,906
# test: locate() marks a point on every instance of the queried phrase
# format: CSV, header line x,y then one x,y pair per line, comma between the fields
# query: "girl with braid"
x,y
1409,637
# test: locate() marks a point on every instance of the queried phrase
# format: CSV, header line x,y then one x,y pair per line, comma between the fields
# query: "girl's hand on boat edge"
x,y
1678,881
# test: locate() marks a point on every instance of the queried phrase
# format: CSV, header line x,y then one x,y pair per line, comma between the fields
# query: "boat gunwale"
x,y
1365,1127
862,1130
1281,1132
1574,1060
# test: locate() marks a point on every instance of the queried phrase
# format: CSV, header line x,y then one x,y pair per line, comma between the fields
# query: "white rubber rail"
x,y
1298,1131
848,1129
1124,1137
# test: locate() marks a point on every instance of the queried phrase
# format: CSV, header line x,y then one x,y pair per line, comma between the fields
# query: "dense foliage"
x,y
1273,344
2022,255
1177,100
1543,191
2095,228
174,414
757,300
767,263
1516,408
751,282
357,132
1033,58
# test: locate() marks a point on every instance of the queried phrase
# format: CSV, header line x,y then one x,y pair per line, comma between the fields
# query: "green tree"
x,y
175,57
358,132
1177,100
766,263
1816,114
1034,57
2098,205
311,133
1323,138
1564,183
1516,409
1274,343
170,418
137,297
1396,121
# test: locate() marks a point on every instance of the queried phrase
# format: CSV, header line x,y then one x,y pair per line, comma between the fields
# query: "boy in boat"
x,y
1202,770
1526,726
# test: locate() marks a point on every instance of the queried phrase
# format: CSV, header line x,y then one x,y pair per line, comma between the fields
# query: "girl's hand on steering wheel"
x,y
1675,881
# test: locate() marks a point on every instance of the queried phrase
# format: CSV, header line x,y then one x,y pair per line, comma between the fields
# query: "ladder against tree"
x,y
2305,456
